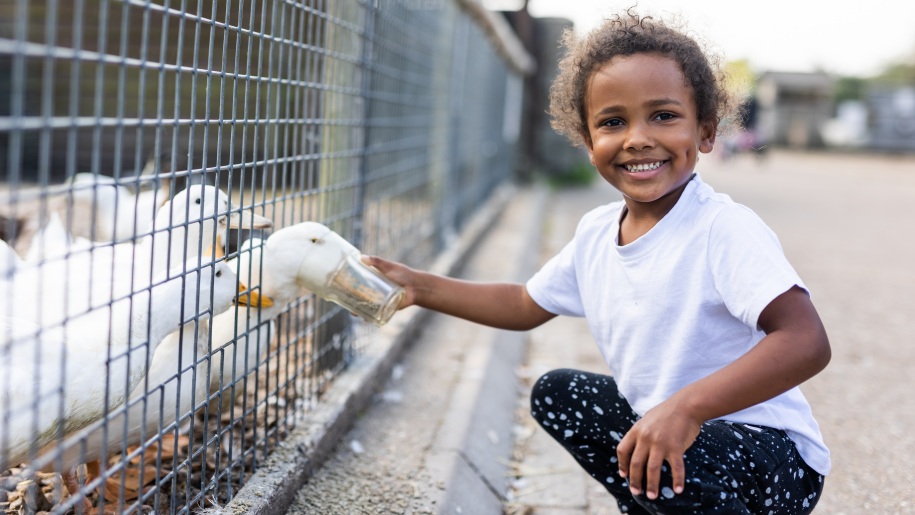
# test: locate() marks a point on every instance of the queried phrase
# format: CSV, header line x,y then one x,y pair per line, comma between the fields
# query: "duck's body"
x,y
94,207
174,382
114,213
172,388
56,381
72,281
9,261
241,338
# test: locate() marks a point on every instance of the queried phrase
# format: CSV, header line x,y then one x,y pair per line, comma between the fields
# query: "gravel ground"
x,y
379,466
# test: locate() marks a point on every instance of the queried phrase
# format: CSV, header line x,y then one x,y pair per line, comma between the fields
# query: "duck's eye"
x,y
314,240
197,201
219,273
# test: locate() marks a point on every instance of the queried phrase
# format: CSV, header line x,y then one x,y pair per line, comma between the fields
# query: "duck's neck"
x,y
181,243
150,322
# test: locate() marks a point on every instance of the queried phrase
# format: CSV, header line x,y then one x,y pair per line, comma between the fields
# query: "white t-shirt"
x,y
680,302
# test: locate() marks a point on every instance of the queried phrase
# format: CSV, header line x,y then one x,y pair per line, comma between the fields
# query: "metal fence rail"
x,y
142,145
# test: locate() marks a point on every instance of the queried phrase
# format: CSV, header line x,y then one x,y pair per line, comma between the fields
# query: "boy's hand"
x,y
794,349
663,434
400,274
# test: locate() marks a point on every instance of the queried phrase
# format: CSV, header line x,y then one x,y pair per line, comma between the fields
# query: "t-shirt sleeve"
x,y
748,265
555,286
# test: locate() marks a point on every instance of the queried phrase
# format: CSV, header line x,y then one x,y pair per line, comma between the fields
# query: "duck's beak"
x,y
247,220
252,298
216,251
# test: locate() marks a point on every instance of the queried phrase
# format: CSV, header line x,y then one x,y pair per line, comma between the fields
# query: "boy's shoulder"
x,y
726,218
715,203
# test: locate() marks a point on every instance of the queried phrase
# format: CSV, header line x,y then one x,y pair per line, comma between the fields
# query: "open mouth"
x,y
644,167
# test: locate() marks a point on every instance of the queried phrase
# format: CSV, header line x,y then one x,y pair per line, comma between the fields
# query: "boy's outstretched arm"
x,y
502,305
794,349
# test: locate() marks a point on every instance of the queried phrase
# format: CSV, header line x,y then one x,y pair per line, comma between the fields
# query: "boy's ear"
x,y
707,133
590,146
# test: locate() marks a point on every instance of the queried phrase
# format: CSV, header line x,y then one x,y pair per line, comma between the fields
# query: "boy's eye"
x,y
613,122
665,116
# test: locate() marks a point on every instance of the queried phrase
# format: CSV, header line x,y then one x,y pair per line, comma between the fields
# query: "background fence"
x,y
389,121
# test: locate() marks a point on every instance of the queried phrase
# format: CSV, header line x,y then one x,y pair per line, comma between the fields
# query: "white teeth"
x,y
644,167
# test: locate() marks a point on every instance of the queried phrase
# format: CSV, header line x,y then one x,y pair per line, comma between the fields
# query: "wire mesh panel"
x,y
155,344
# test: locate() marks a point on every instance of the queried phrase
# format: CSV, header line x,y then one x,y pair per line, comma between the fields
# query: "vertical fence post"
x,y
368,41
449,212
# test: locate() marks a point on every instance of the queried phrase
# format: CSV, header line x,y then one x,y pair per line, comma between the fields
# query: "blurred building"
x,y
892,119
793,106
544,151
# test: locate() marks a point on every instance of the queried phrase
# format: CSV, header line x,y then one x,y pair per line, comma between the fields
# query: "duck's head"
x,y
216,287
305,254
188,291
201,202
199,212
248,268
226,288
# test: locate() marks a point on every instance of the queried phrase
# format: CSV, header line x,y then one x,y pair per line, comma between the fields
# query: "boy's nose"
x,y
638,137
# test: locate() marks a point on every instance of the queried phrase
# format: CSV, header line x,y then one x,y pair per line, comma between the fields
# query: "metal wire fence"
x,y
144,146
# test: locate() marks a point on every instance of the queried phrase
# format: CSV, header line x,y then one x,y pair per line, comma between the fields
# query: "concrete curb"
x,y
272,489
472,449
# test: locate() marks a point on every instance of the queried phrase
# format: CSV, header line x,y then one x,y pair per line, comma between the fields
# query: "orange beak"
x,y
215,251
252,298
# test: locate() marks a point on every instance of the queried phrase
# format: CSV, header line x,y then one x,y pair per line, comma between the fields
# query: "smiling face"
x,y
643,132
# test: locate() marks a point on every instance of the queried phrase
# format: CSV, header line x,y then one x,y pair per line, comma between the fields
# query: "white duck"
x,y
173,386
95,207
289,263
10,264
9,260
76,280
114,213
310,256
58,380
187,222
54,241
241,338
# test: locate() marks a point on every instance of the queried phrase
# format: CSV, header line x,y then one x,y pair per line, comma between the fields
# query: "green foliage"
x,y
740,78
579,174
849,88
897,74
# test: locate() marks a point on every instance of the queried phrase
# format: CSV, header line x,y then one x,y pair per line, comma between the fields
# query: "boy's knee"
x,y
548,387
547,391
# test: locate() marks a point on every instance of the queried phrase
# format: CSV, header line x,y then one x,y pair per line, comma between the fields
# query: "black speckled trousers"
x,y
731,468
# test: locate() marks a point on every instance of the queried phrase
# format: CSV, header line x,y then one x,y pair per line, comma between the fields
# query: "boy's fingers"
x,y
653,476
374,261
623,452
637,472
678,471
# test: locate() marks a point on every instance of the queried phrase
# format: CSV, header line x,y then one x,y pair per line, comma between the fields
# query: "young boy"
x,y
707,328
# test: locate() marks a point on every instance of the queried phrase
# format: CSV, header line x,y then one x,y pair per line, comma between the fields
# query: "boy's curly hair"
x,y
630,34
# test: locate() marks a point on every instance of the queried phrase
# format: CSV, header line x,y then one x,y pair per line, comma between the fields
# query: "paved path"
x,y
847,224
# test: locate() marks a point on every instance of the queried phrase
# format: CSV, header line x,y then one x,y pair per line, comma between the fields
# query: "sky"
x,y
844,37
